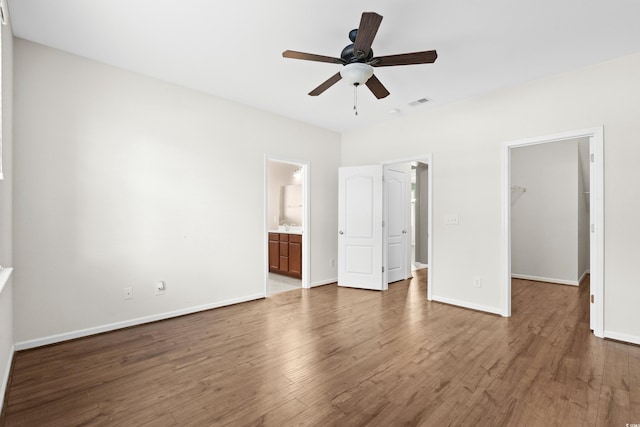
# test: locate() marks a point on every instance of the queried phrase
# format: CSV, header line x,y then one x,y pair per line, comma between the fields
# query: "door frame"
x,y
596,201
427,160
306,214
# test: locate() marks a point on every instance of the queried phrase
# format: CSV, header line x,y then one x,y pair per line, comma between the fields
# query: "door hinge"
x,y
593,299
383,268
593,228
383,224
593,158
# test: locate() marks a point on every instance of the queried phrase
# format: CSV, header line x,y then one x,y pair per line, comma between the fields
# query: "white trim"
x,y
5,379
24,345
421,267
427,159
465,304
506,228
324,282
545,279
430,282
5,274
582,276
596,136
633,339
306,239
265,226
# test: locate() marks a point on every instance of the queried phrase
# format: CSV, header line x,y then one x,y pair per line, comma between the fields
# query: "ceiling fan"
x,y
358,60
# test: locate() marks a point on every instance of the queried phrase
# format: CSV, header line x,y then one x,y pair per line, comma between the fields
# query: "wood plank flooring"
x,y
343,357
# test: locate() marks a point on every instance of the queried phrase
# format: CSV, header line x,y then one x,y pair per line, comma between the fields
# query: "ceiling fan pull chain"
x,y
355,99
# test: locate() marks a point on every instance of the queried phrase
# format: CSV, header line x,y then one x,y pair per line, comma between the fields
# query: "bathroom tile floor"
x,y
279,283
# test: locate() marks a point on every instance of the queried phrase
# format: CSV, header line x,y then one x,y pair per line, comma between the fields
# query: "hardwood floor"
x,y
339,356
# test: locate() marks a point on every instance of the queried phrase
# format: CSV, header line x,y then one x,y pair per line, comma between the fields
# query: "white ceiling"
x,y
233,49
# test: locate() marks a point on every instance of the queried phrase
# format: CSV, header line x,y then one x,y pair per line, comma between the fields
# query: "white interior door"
x,y
397,184
360,227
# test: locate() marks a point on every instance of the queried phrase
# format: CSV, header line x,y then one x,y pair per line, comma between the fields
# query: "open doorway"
x,y
550,212
406,218
418,245
286,220
553,213
374,237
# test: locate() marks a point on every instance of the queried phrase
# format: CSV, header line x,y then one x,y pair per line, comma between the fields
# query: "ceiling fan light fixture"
x,y
356,73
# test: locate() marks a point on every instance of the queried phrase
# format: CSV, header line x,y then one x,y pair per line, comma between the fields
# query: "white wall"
x,y
545,218
6,195
466,141
122,180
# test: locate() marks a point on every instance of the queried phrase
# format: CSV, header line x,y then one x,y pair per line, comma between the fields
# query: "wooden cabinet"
x,y
285,254
295,255
274,252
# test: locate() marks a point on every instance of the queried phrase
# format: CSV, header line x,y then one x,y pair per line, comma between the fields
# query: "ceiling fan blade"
x,y
426,57
326,85
377,87
311,57
369,24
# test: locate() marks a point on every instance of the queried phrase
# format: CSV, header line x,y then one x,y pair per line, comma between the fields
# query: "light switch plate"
x,y
451,219
477,282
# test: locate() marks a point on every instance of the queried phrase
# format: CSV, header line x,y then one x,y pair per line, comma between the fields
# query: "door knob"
x,y
404,231
340,232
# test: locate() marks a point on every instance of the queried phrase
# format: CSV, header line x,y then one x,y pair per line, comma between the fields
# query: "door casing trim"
x,y
596,201
427,160
306,235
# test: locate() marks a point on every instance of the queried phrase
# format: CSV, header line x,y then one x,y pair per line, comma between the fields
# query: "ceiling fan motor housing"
x,y
349,55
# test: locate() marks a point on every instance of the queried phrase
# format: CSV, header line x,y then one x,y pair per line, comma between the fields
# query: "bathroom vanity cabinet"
x,y
285,254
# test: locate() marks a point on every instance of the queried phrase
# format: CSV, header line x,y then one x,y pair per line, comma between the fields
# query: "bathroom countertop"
x,y
298,232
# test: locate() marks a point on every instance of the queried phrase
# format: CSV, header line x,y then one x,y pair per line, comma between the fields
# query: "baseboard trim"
x,y
53,339
5,379
323,282
466,304
622,337
545,279
583,276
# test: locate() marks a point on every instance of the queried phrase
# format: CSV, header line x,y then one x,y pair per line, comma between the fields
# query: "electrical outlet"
x,y
128,293
160,287
477,282
451,219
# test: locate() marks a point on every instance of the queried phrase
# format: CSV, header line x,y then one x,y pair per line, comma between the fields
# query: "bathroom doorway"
x,y
286,223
